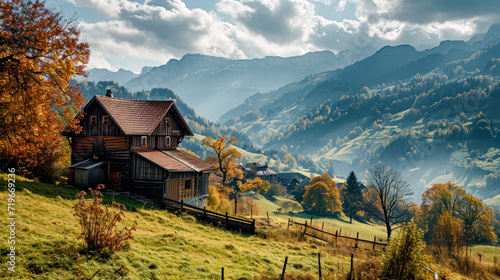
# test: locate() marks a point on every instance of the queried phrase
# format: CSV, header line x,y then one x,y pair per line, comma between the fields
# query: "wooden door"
x,y
115,180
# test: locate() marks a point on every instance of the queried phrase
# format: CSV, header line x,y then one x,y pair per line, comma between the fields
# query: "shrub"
x,y
99,226
405,258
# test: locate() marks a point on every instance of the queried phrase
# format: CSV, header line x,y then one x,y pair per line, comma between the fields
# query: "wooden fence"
x,y
229,222
333,237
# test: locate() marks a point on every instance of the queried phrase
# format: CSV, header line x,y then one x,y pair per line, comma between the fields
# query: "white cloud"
x,y
278,21
158,30
109,8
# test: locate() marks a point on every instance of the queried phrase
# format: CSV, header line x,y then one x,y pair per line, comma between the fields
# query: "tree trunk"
x,y
389,231
224,179
235,205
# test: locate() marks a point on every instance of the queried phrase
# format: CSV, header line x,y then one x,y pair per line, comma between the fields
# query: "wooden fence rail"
x,y
313,232
225,220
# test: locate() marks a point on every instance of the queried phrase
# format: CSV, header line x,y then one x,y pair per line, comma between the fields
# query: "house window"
x,y
93,120
105,120
167,141
167,121
187,185
144,141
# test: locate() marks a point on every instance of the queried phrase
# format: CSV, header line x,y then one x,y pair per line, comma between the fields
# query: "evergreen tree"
x,y
352,196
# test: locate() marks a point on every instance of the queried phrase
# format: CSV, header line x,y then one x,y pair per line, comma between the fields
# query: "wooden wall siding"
x,y
145,170
175,125
82,148
155,142
176,185
151,189
112,148
95,109
118,154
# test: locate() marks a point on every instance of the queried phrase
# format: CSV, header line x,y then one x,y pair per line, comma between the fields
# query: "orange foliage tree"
x,y
322,196
39,54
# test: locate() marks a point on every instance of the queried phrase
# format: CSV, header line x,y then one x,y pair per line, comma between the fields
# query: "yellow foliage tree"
x,y
476,217
322,196
257,184
225,159
448,237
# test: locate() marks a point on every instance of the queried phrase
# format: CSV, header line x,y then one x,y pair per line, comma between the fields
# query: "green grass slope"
x,y
366,230
165,245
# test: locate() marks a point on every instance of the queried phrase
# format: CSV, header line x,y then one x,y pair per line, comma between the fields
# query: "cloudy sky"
x,y
131,34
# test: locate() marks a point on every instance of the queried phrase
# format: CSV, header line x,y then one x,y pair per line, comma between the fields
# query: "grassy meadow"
x,y
165,245
169,245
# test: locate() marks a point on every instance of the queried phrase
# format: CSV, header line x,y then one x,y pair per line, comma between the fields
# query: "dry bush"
x,y
369,269
99,226
404,259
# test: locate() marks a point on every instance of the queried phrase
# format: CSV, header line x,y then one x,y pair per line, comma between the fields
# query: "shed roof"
x,y
174,160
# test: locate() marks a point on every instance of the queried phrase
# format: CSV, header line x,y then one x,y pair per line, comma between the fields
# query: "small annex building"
x,y
131,145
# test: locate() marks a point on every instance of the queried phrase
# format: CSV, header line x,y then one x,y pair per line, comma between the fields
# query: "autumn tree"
x,y
225,159
39,54
351,193
476,218
226,162
391,191
440,198
322,196
257,185
448,236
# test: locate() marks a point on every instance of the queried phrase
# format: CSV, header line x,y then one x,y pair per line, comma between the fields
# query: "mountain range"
x,y
213,85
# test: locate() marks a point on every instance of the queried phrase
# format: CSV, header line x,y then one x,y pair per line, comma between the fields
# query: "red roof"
x,y
137,117
174,160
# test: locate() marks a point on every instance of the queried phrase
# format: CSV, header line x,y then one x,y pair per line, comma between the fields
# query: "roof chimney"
x,y
109,93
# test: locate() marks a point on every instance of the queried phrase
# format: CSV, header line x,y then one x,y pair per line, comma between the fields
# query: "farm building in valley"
x,y
131,145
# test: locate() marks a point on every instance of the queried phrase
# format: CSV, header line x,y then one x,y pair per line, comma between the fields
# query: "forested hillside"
x,y
432,115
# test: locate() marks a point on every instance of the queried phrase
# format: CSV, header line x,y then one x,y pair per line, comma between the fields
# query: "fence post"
x,y
357,236
182,205
288,225
205,212
336,235
222,273
227,221
374,241
352,267
311,222
253,226
284,268
305,228
322,225
319,265
268,223
480,256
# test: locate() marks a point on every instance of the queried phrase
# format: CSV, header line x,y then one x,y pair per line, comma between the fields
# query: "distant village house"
x,y
254,170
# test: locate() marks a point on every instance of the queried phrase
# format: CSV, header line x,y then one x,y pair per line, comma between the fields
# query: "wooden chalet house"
x,y
131,145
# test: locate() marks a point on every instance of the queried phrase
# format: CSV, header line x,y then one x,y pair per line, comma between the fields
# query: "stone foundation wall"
x,y
198,201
